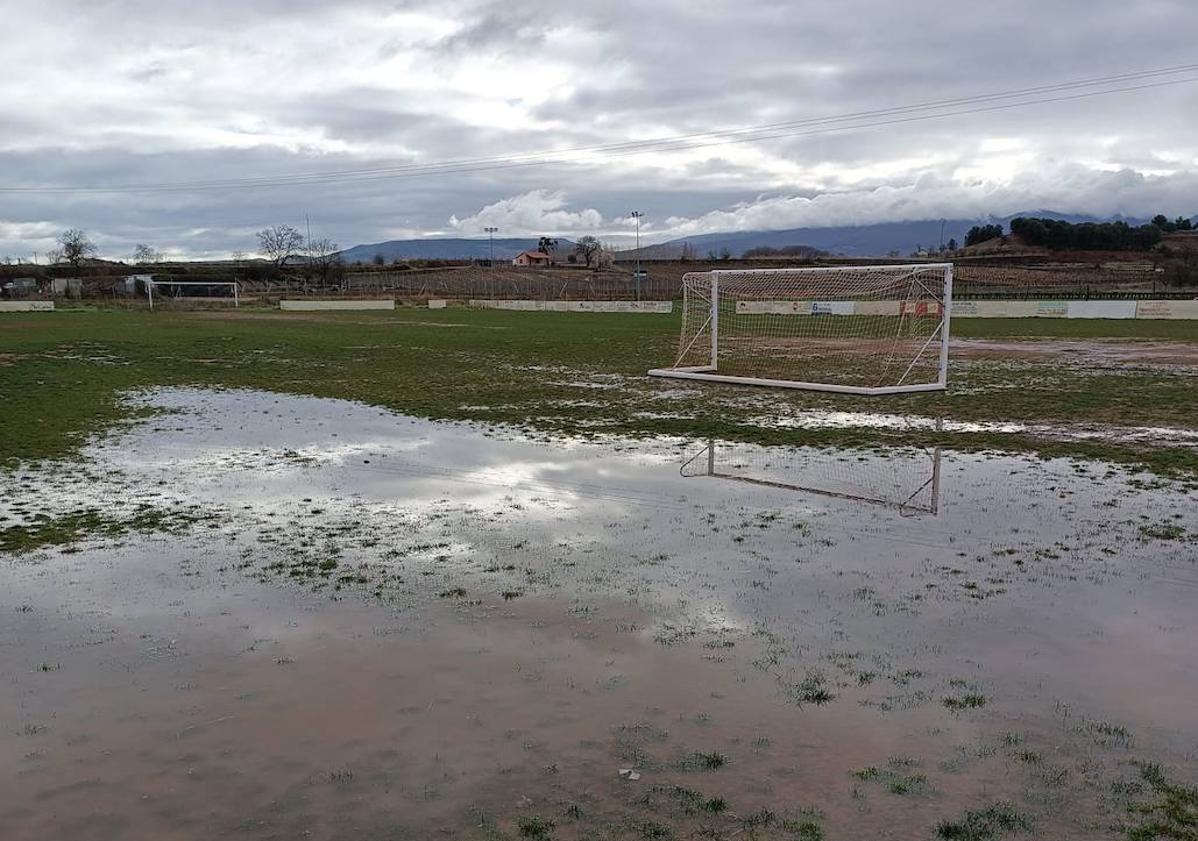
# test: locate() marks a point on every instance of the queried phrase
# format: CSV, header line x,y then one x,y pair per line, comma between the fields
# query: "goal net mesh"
x,y
866,327
166,293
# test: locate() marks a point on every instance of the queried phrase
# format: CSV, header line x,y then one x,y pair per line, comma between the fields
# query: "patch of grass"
x,y
63,371
1163,531
92,522
692,802
968,701
806,826
1169,814
650,830
536,827
757,820
994,821
895,778
706,760
812,689
1105,733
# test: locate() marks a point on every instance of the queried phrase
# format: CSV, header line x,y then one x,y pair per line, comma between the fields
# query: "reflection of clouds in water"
x,y
819,419
247,447
310,462
436,506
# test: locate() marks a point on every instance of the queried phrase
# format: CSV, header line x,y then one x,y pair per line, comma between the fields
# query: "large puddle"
x,y
373,627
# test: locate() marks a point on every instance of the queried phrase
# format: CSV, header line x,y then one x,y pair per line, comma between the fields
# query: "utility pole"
x,y
636,214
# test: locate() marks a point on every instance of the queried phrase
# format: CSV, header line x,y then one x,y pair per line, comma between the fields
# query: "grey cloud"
x,y
230,90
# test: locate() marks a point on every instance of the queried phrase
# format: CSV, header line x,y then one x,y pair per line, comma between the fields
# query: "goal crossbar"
x,y
867,330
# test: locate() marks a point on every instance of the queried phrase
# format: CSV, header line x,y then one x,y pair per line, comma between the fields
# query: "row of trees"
x,y
804,251
75,246
278,243
1085,236
1059,235
982,233
1179,224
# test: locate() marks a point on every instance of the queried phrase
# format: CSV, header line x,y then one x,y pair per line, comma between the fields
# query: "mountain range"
x,y
877,240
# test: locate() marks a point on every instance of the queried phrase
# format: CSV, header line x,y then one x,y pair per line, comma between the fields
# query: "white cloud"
x,y
231,90
535,212
1065,189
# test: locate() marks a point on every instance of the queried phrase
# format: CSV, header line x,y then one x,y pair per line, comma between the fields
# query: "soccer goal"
x,y
193,291
854,329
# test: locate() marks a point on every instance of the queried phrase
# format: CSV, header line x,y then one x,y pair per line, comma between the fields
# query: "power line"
x,y
937,109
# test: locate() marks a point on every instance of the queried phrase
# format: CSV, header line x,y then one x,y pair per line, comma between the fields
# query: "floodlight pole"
x,y
491,233
636,214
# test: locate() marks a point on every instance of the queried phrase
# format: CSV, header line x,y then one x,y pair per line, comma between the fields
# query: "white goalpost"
x,y
169,284
852,329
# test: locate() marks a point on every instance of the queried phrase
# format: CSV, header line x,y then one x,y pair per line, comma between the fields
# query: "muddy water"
x,y
384,628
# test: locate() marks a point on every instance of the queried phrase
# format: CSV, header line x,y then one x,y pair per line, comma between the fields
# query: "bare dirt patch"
x,y
232,315
1082,350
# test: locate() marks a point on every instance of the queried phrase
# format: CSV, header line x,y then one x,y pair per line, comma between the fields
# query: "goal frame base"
x,y
710,375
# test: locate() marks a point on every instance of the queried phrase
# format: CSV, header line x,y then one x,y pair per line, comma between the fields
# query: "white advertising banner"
x,y
314,306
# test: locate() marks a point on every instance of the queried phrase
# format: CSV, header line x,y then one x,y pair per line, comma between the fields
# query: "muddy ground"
x,y
250,615
1090,352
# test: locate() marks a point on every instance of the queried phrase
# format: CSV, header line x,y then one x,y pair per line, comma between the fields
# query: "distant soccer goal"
x,y
192,292
854,329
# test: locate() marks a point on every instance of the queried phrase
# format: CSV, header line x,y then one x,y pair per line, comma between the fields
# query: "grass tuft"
x,y
994,821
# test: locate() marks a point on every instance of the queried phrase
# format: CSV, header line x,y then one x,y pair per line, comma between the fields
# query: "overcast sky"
x,y
125,92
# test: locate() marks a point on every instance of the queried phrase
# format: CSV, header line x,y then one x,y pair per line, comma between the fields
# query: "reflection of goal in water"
x,y
906,478
853,329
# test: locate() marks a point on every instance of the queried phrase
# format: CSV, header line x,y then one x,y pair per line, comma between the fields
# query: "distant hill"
x,y
447,248
848,240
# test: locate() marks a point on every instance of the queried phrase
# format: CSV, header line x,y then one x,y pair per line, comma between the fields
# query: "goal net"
x,y
856,329
905,478
160,292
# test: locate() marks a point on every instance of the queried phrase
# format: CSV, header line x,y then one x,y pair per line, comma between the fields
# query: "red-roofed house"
x,y
532,258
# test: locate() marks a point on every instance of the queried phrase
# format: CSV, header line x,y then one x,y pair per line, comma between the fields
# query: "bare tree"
x,y
239,256
143,253
324,259
279,242
588,247
75,246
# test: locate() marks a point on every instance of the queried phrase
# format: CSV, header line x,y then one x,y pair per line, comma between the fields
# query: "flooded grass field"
x,y
242,613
